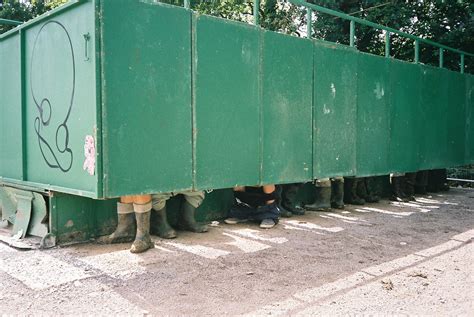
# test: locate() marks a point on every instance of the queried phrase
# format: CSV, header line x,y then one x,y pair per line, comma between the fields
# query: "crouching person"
x,y
255,204
186,219
133,223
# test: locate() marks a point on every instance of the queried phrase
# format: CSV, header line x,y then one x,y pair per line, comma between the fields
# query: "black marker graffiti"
x,y
45,109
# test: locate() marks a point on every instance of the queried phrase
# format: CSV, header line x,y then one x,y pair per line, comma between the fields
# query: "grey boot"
x,y
322,199
337,195
126,227
187,220
159,224
142,239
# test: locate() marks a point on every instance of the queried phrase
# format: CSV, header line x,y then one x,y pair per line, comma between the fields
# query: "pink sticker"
x,y
89,153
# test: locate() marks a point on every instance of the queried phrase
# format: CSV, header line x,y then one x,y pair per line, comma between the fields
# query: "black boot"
x,y
142,240
369,186
397,193
159,224
421,182
410,179
279,201
353,196
187,220
126,227
322,197
337,194
289,199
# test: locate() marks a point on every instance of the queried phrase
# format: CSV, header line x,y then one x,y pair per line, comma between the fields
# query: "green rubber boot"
x,y
187,220
322,199
353,197
126,227
142,239
337,194
159,224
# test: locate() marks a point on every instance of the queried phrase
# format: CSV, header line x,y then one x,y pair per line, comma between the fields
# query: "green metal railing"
x,y
10,22
353,20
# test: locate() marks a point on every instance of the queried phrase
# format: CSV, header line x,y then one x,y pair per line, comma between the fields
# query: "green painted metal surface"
x,y
469,150
373,115
287,76
146,97
335,110
60,99
456,118
405,102
434,109
226,101
11,133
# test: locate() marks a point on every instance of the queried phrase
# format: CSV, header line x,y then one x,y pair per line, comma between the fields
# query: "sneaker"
x,y
267,223
234,221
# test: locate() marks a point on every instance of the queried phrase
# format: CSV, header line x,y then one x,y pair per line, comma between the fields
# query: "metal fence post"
x,y
462,63
309,22
256,7
352,34
387,44
441,58
417,51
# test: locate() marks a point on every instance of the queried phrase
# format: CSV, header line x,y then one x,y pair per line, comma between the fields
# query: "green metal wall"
x,y
176,100
146,98
335,113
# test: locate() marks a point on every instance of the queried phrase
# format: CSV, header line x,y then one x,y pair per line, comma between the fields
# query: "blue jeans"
x,y
242,211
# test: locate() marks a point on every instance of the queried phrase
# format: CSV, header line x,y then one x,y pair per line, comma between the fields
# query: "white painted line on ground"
x,y
290,227
387,212
331,214
119,264
40,270
310,225
164,249
345,212
255,234
200,250
396,264
465,236
246,245
439,248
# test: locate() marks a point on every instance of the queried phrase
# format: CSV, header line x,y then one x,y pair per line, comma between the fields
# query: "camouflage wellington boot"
x,y
159,224
126,227
187,220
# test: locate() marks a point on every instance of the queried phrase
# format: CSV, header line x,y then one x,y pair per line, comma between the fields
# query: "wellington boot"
x,y
397,192
125,231
353,197
337,194
142,240
289,200
370,187
159,224
322,200
187,220
410,180
421,182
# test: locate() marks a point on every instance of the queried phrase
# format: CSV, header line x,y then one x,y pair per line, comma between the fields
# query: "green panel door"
x,y
226,103
11,134
287,109
335,109
434,96
470,119
147,98
456,114
373,115
405,132
61,100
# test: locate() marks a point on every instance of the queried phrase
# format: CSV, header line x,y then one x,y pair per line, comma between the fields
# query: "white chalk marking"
x,y
310,225
200,250
255,234
301,229
388,212
118,264
246,245
331,214
39,270
439,248
465,236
